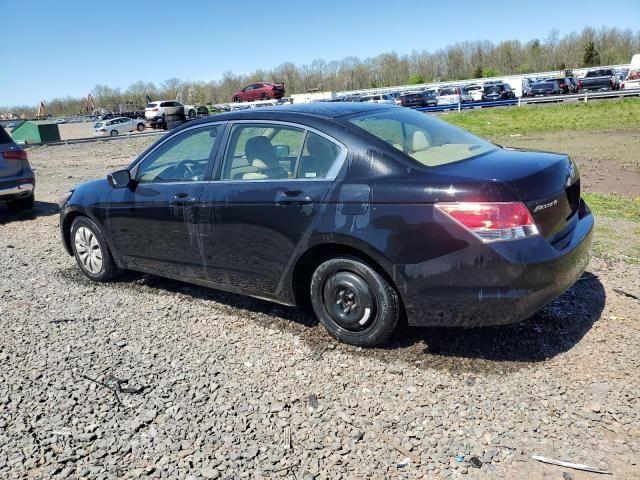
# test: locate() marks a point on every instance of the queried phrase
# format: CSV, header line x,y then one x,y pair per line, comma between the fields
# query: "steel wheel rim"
x,y
88,250
349,301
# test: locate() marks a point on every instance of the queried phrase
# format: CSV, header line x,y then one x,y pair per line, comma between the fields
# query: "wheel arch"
x,y
65,228
315,255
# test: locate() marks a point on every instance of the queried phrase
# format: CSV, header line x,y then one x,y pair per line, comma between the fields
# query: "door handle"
x,y
182,199
294,197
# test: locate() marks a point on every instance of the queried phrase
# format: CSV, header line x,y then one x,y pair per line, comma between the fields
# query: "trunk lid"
x,y
547,183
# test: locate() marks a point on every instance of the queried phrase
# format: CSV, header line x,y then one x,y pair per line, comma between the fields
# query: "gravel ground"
x,y
147,377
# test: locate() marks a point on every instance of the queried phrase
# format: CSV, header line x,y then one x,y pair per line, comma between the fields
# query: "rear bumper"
x,y
17,188
494,284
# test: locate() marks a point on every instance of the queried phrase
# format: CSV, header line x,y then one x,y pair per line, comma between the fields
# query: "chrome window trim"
x,y
331,174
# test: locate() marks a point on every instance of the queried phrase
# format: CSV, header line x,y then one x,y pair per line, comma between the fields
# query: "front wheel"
x,y
91,251
140,127
354,302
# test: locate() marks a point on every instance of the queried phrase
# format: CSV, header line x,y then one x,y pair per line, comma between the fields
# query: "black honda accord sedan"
x,y
364,212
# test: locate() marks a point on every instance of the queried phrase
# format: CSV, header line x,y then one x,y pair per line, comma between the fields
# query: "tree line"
x,y
463,60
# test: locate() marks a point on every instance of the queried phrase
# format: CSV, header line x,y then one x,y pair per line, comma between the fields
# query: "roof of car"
x,y
317,109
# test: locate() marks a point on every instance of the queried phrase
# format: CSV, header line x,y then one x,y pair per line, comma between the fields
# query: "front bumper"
x,y
494,284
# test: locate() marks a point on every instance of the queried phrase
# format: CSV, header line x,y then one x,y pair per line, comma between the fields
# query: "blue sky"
x,y
60,48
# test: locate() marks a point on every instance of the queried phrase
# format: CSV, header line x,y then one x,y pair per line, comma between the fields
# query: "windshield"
x,y
599,73
429,141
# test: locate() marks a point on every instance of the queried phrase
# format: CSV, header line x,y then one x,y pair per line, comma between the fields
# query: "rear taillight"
x,y
15,155
155,109
491,221
579,83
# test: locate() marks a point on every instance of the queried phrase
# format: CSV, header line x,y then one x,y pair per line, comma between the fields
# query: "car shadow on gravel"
x,y
488,350
41,209
553,330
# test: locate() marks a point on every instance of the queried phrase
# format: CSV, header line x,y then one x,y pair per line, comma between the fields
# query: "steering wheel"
x,y
184,169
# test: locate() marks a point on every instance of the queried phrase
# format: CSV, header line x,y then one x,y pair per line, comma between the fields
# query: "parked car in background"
x,y
571,85
475,91
426,98
526,86
162,111
17,180
599,79
259,91
378,98
545,87
340,207
117,126
497,91
453,95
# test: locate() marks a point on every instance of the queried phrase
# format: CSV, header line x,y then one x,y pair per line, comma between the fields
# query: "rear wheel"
x,y
354,302
140,127
264,96
114,133
91,251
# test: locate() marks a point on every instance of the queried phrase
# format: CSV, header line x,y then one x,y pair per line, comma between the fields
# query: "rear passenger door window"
x,y
318,157
262,152
279,152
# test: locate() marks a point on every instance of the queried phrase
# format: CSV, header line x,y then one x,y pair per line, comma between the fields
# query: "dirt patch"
x,y
609,162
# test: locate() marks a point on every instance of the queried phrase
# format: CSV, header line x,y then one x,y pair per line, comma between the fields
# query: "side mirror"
x,y
120,179
282,151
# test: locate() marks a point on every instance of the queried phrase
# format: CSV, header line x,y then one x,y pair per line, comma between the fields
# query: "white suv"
x,y
384,98
157,112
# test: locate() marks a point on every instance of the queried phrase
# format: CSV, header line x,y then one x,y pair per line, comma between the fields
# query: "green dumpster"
x,y
36,131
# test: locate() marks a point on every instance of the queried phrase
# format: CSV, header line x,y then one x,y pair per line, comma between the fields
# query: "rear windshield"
x,y
98,125
427,140
4,136
448,91
599,73
493,88
152,105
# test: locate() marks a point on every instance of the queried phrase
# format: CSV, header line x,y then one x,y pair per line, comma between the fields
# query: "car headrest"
x,y
416,142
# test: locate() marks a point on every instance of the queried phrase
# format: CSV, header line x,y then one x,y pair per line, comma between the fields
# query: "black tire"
x,y
17,205
108,270
264,96
175,118
140,127
192,114
172,125
236,99
113,133
346,284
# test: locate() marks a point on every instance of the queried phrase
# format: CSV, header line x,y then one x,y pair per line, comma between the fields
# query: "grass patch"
x,y
617,230
594,115
612,206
